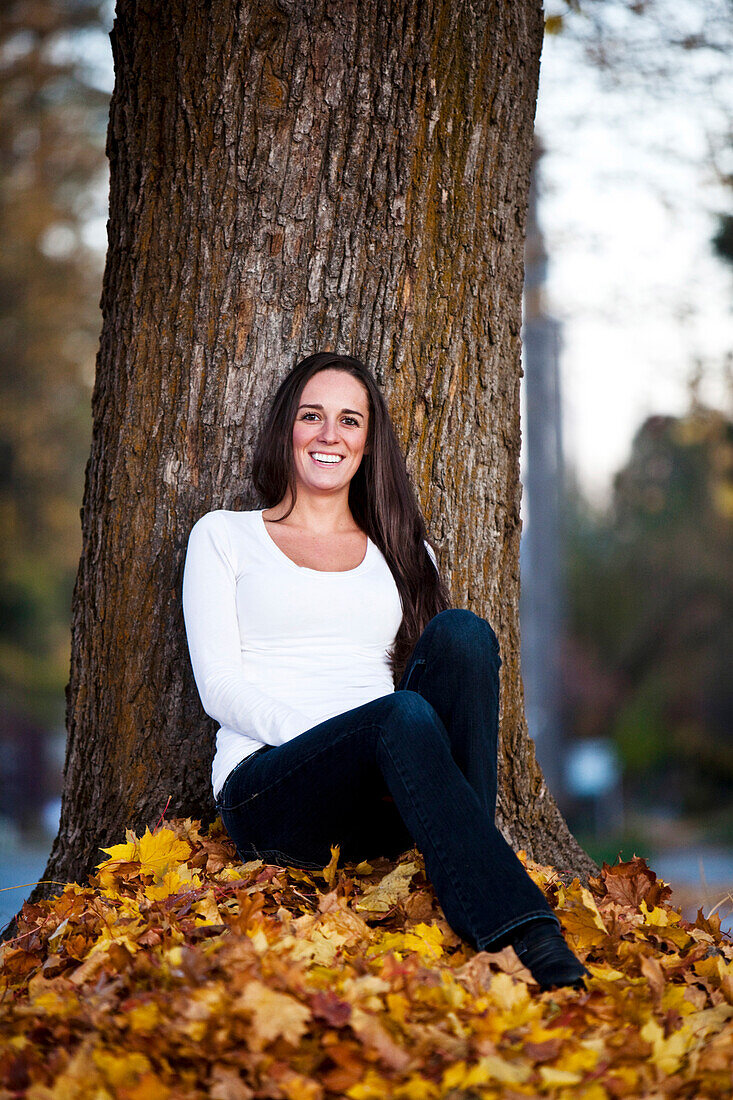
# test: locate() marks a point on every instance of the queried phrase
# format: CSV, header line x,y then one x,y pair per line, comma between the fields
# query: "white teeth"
x,y
333,459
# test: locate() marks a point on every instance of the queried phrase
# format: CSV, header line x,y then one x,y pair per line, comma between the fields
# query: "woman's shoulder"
x,y
225,520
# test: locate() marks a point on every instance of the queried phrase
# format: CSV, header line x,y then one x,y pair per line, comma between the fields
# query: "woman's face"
x,y
330,431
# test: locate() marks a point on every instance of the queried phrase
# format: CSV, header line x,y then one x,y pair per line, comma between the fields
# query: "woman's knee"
x,y
463,632
407,713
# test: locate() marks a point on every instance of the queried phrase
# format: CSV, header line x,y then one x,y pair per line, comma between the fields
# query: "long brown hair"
x,y
381,496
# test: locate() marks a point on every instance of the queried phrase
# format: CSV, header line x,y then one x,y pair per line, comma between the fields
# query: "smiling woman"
x,y
302,617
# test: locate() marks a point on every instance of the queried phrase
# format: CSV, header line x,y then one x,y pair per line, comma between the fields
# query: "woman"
x,y
301,617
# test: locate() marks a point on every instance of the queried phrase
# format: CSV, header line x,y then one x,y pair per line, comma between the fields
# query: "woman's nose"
x,y
328,433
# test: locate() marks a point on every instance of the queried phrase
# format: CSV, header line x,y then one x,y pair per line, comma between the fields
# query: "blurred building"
x,y
541,550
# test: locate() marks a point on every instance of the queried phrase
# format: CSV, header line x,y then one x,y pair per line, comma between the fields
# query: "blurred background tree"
x,y
52,181
650,614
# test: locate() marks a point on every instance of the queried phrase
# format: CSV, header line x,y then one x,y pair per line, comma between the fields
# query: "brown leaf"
x,y
419,906
632,882
709,924
327,1005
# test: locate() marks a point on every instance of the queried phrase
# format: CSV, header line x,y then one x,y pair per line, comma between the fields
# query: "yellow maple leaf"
x,y
658,917
426,940
158,854
170,883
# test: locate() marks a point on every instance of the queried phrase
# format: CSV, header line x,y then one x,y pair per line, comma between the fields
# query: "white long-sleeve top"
x,y
275,647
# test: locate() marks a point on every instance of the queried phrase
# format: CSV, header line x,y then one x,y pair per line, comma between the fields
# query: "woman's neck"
x,y
319,515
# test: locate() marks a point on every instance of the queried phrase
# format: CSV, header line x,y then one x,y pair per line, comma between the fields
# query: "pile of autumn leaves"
x,y
180,973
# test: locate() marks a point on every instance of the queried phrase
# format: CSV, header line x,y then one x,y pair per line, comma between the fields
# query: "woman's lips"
x,y
333,460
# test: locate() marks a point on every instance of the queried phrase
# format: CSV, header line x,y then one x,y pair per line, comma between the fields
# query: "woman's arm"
x,y
210,614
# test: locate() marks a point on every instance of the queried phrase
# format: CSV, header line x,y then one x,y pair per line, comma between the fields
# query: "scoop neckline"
x,y
365,561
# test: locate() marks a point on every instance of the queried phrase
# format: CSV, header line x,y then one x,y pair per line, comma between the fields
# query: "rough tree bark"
x,y
287,177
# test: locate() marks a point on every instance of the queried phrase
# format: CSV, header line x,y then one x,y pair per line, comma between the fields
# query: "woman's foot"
x,y
541,948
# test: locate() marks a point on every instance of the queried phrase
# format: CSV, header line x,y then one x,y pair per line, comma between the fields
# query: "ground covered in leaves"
x,y
180,973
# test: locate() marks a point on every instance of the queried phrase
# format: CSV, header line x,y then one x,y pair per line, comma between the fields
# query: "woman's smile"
x,y
323,459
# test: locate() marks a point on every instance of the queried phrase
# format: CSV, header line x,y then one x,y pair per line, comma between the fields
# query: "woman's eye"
x,y
352,421
305,416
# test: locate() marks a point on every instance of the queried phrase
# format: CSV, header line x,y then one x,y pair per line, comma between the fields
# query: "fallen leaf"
x,y
393,889
273,1014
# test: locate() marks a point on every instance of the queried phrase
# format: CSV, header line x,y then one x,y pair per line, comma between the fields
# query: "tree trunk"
x,y
286,178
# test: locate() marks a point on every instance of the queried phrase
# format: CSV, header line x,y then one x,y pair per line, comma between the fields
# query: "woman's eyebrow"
x,y
354,412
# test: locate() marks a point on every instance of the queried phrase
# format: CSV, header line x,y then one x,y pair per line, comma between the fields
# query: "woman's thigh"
x,y
290,803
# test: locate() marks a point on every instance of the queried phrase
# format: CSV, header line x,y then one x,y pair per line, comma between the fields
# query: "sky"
x,y
628,195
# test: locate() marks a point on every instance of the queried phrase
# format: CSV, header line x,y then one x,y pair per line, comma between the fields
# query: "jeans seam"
x,y
467,908
218,801
417,663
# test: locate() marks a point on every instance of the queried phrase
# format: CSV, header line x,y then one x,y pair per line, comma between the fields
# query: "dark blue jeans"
x,y
416,767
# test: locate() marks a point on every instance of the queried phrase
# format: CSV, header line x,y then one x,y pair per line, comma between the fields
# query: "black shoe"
x,y
541,948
